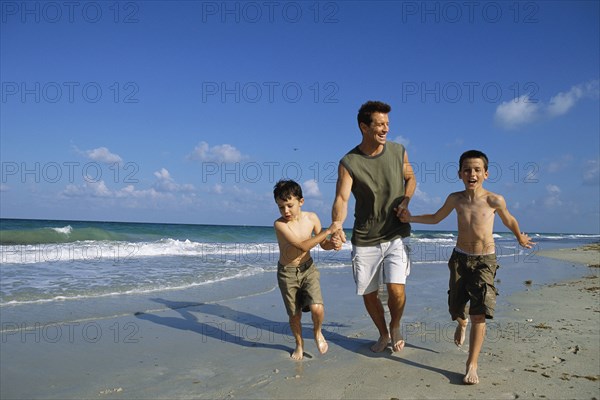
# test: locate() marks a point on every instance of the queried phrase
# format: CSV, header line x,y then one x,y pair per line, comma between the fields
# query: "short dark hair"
x,y
370,107
286,189
473,154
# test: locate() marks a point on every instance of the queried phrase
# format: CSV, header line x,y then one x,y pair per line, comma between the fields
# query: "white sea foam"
x,y
138,291
62,272
251,253
65,230
431,240
121,251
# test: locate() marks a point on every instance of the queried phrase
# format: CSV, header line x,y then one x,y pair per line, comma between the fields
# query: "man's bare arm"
x,y
410,182
343,189
410,185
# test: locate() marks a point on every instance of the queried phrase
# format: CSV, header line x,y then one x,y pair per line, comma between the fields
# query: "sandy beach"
x,y
543,343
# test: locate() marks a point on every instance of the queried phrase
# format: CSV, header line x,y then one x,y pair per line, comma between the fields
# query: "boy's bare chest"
x,y
476,211
301,229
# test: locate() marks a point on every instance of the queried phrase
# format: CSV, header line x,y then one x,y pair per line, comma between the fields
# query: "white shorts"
x,y
370,264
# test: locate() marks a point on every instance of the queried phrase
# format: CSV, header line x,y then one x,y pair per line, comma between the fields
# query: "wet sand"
x,y
543,343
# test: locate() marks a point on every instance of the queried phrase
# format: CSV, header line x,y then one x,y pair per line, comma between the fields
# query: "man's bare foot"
x,y
471,377
397,340
298,354
321,343
381,344
459,334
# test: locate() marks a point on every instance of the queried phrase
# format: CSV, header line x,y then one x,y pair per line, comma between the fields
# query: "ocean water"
x,y
73,270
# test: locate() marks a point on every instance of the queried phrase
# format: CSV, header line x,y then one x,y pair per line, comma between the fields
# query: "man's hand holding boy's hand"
x,y
404,215
335,226
337,242
338,237
403,206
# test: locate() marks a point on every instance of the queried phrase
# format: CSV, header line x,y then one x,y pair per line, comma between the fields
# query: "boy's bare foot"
x,y
381,344
471,377
397,341
321,343
459,334
298,354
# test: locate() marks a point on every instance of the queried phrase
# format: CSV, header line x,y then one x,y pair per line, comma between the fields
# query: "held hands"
x,y
335,226
403,214
402,211
338,236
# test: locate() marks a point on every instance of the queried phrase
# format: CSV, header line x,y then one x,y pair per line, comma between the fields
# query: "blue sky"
x,y
189,112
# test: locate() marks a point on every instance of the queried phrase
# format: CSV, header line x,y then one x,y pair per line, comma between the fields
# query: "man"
x,y
382,181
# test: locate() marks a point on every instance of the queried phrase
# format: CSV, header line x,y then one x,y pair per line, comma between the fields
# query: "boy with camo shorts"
x,y
297,275
473,261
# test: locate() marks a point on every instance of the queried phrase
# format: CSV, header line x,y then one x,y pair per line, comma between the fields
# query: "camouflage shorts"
x,y
472,281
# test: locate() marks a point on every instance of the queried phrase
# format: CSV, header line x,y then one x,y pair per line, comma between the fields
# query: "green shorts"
x,y
300,286
472,280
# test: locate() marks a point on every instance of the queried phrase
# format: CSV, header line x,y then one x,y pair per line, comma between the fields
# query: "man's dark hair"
x,y
286,189
473,154
370,107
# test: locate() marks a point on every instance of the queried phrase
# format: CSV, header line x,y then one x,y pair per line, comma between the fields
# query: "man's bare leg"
x,y
475,344
318,314
377,313
461,331
296,326
396,302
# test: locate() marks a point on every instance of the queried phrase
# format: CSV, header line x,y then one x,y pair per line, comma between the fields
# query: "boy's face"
x,y
290,208
377,131
473,173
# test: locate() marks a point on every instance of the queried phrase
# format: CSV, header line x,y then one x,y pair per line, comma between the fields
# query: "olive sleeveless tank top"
x,y
378,188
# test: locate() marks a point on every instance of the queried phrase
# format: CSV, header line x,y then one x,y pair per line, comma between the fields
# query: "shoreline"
x,y
588,255
542,344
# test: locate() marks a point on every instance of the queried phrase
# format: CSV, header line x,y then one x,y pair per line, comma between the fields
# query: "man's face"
x,y
376,133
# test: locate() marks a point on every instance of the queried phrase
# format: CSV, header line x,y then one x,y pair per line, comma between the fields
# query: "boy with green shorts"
x,y
297,276
473,262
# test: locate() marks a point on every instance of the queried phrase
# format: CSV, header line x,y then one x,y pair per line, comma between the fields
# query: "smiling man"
x,y
378,174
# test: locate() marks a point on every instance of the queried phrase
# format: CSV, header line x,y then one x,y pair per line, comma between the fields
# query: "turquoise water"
x,y
66,262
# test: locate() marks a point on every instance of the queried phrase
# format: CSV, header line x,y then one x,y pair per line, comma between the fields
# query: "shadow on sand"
x,y
251,330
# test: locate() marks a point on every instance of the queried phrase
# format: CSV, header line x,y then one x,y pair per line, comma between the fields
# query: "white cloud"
x,y
591,173
217,188
402,140
88,189
102,154
552,199
523,110
130,192
514,113
310,188
165,183
425,198
219,153
552,189
98,189
559,164
564,101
